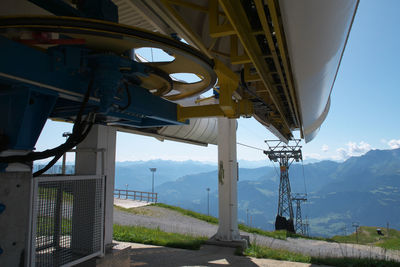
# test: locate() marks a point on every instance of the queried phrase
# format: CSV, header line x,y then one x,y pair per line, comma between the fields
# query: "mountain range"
x,y
362,189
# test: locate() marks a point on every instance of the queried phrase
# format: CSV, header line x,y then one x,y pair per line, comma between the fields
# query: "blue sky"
x,y
364,110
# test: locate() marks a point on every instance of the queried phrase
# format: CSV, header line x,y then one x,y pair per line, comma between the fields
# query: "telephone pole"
x,y
355,225
153,170
285,154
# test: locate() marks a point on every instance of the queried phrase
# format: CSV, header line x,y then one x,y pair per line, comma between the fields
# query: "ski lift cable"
x,y
304,177
249,146
259,149
305,191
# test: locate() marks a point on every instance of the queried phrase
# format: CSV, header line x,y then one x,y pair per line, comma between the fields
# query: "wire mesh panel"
x,y
67,219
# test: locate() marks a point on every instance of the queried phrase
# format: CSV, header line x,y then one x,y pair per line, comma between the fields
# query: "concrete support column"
x,y
96,156
227,181
15,206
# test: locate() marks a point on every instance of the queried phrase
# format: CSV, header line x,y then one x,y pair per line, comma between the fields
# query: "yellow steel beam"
x,y
248,77
242,108
235,57
271,45
192,6
228,82
279,34
188,4
217,30
191,34
235,13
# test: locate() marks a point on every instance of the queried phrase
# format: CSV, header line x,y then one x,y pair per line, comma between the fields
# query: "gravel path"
x,y
172,221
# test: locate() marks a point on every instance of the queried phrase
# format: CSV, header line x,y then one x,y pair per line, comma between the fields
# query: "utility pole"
x,y
355,225
285,154
64,157
208,201
387,229
153,170
247,213
306,227
299,227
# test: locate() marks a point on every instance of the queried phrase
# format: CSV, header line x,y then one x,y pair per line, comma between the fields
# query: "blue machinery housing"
x,y
36,85
64,80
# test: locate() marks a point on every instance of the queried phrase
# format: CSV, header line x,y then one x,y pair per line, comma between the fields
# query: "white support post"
x,y
227,181
96,156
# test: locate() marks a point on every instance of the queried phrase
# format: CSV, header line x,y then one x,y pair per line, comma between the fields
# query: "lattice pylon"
x,y
285,208
285,154
299,226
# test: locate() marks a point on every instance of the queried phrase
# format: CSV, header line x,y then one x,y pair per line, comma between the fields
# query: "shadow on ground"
x,y
144,255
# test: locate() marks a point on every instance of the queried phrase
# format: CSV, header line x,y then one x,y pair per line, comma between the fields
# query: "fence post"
x,y
134,195
126,194
119,193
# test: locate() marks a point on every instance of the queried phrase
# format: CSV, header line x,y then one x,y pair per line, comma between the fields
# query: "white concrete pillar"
x,y
227,181
98,148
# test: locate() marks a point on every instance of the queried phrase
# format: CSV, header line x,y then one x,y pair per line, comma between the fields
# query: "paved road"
x,y
172,221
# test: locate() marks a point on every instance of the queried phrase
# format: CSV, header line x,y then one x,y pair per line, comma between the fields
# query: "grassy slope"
x,y
369,236
281,254
158,237
149,236
211,219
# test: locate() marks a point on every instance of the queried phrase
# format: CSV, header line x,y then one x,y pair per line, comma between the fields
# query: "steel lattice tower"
x,y
299,226
285,208
285,154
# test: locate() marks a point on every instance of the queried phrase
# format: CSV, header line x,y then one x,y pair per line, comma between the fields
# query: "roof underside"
x,y
257,40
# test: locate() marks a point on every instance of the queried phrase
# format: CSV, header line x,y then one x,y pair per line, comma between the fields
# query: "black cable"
x,y
128,92
67,147
244,85
74,139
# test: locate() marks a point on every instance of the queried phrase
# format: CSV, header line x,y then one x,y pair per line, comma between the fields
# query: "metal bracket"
x,y
228,107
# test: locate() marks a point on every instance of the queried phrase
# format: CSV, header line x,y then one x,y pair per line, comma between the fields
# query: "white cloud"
x,y
353,149
342,153
359,149
394,143
325,148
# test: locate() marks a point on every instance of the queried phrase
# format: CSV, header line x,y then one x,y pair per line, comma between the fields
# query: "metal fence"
x,y
67,223
135,195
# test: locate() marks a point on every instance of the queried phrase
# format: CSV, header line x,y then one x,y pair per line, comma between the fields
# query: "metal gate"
x,y
67,220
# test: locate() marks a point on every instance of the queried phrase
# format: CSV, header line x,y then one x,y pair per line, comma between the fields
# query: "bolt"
x,y
2,208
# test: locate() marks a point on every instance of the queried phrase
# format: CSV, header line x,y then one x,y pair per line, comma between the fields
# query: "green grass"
x,y
190,213
210,219
353,262
257,251
138,211
45,224
368,236
149,236
50,193
280,234
276,254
